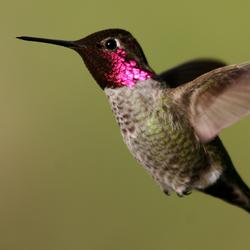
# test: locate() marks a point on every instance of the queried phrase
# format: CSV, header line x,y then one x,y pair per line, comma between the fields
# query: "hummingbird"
x,y
170,121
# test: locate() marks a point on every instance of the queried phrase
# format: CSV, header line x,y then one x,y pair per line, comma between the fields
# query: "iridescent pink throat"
x,y
125,72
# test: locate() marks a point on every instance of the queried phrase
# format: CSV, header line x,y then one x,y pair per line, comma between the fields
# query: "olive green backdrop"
x,y
67,181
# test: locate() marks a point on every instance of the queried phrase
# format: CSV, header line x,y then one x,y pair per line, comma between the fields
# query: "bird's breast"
x,y
157,135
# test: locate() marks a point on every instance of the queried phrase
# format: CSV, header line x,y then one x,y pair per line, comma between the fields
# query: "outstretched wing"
x,y
217,99
188,71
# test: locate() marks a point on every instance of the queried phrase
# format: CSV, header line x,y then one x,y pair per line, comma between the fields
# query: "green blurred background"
x,y
67,181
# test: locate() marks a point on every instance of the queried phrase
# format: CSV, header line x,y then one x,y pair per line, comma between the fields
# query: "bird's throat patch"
x,y
125,72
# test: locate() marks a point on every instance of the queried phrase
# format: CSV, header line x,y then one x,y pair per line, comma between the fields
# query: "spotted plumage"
x,y
170,121
155,136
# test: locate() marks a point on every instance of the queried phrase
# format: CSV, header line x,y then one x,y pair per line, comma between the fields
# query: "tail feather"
x,y
231,188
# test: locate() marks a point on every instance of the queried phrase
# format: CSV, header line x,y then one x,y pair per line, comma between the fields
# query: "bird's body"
x,y
158,135
170,122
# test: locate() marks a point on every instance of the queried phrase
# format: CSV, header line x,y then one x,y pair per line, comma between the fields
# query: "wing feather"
x,y
217,99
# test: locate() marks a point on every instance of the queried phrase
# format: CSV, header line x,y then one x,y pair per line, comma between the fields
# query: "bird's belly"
x,y
159,136
171,154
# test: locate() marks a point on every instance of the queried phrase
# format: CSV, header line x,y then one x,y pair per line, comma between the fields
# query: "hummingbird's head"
x,y
113,57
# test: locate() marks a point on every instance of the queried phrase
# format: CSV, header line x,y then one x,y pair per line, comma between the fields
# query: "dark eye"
x,y
111,44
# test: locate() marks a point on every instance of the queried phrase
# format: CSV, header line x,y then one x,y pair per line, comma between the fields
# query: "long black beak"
x,y
68,44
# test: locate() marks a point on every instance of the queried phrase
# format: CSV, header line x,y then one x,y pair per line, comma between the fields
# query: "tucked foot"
x,y
184,193
166,192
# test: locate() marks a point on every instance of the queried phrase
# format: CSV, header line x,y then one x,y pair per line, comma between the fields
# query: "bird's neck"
x,y
143,92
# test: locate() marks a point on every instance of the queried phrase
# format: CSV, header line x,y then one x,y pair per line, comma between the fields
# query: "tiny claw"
x,y
185,193
180,195
166,192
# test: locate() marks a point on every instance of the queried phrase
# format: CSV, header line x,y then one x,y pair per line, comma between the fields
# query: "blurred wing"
x,y
188,71
217,99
